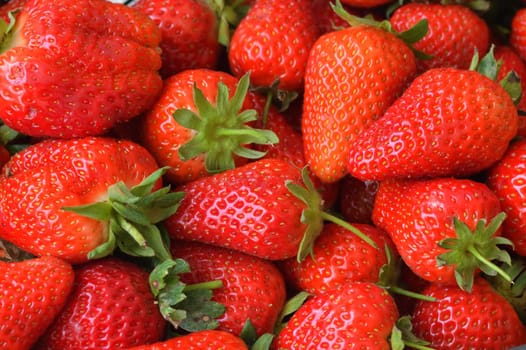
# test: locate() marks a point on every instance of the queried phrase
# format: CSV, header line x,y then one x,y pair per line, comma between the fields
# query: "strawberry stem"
x,y
489,264
410,294
336,220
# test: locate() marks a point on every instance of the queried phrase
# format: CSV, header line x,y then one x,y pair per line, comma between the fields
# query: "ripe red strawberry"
x,y
209,131
482,319
189,33
517,37
367,4
359,315
511,61
339,257
110,307
76,68
455,33
352,77
201,340
356,199
41,183
425,217
505,179
273,42
253,289
448,122
12,5
32,293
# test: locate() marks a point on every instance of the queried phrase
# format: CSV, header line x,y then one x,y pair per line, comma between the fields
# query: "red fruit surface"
x,y
39,181
200,340
32,294
448,122
189,33
482,319
247,208
110,307
353,75
517,37
506,179
76,68
253,288
511,61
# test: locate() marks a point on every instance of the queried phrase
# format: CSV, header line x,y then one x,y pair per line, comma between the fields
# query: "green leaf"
x,y
98,211
415,33
104,249
201,311
146,186
291,306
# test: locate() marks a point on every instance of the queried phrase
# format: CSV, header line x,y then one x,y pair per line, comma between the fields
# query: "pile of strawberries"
x,y
262,174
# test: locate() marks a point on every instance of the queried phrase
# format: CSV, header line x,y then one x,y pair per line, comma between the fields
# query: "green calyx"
x,y
187,307
314,217
402,336
489,67
410,36
6,32
222,131
132,215
473,250
228,13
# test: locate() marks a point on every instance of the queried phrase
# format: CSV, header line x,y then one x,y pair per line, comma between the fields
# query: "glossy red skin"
x,y
162,135
12,5
189,33
38,181
454,33
89,65
448,122
200,340
368,4
247,208
482,319
32,293
418,214
110,307
511,61
356,199
271,50
506,179
517,37
360,315
253,288
339,257
344,96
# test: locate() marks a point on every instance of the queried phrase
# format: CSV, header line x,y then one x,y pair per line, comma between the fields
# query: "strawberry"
x,y
448,122
199,125
439,227
366,4
32,293
273,42
455,33
339,257
356,199
189,33
110,307
267,208
81,198
57,89
517,37
253,289
352,77
482,319
511,61
358,315
201,340
12,5
505,179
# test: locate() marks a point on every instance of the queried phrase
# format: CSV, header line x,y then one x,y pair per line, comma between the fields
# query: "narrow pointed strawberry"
x,y
77,68
352,76
446,230
32,293
448,122
201,125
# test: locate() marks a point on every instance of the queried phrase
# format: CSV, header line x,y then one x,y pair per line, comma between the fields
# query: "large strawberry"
x,y
201,340
358,315
76,68
482,319
189,33
32,293
439,227
200,125
273,42
268,208
81,198
352,76
252,289
448,122
110,307
455,33
505,179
